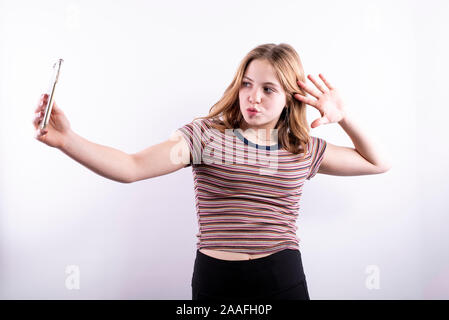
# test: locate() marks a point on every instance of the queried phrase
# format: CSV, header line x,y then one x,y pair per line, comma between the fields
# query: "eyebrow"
x,y
263,83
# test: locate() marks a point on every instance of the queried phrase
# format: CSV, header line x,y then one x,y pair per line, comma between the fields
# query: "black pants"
x,y
279,276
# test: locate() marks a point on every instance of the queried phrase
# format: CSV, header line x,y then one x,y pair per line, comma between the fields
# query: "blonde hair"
x,y
293,129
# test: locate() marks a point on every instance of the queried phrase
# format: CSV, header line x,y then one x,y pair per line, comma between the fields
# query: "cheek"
x,y
275,110
275,105
240,100
241,95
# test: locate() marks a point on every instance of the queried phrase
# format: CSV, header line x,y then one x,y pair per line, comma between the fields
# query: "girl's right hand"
x,y
58,127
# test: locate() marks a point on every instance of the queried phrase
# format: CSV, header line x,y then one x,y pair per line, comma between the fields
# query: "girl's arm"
x,y
160,159
106,161
156,160
366,158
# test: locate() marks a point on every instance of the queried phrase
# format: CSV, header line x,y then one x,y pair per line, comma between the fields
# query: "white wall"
x,y
135,71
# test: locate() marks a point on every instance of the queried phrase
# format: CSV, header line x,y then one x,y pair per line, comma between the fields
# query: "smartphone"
x,y
51,93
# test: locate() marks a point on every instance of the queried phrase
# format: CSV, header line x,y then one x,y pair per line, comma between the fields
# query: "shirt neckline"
x,y
255,145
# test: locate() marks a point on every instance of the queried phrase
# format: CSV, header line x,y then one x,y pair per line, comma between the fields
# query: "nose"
x,y
254,96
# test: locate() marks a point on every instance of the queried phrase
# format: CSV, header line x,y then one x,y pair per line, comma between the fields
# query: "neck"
x,y
259,135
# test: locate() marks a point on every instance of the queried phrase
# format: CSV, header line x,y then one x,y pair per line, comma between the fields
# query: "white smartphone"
x,y
51,93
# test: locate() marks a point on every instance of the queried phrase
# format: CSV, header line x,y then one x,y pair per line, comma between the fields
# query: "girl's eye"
x,y
245,83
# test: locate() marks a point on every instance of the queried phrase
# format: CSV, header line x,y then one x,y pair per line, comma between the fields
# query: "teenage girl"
x,y
250,157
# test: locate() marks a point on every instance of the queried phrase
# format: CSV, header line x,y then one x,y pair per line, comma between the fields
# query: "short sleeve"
x,y
317,148
196,134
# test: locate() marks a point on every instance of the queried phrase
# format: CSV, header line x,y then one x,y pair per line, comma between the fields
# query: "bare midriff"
x,y
232,256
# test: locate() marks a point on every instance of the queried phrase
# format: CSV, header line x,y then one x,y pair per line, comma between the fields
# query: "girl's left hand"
x,y
328,102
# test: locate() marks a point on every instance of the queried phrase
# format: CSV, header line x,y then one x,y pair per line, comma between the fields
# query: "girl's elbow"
x,y
384,168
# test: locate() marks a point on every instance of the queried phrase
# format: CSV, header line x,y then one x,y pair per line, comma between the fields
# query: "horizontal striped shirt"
x,y
246,195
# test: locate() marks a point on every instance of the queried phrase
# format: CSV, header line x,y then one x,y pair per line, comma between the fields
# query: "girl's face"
x,y
261,91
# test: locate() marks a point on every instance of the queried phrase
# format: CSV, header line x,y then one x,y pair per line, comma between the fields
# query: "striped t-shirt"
x,y
247,196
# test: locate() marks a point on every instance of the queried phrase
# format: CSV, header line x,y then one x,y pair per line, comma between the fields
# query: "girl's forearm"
x,y
364,145
103,160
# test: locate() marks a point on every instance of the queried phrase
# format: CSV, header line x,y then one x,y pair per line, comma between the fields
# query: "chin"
x,y
252,121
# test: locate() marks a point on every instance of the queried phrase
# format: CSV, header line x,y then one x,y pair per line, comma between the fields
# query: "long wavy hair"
x,y
293,129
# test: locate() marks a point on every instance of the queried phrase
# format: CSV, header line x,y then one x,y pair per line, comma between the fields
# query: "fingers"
x,y
309,101
36,122
42,102
319,121
318,85
326,82
309,89
39,113
38,116
40,134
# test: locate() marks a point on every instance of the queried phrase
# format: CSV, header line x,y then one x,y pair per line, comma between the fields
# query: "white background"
x,y
135,71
